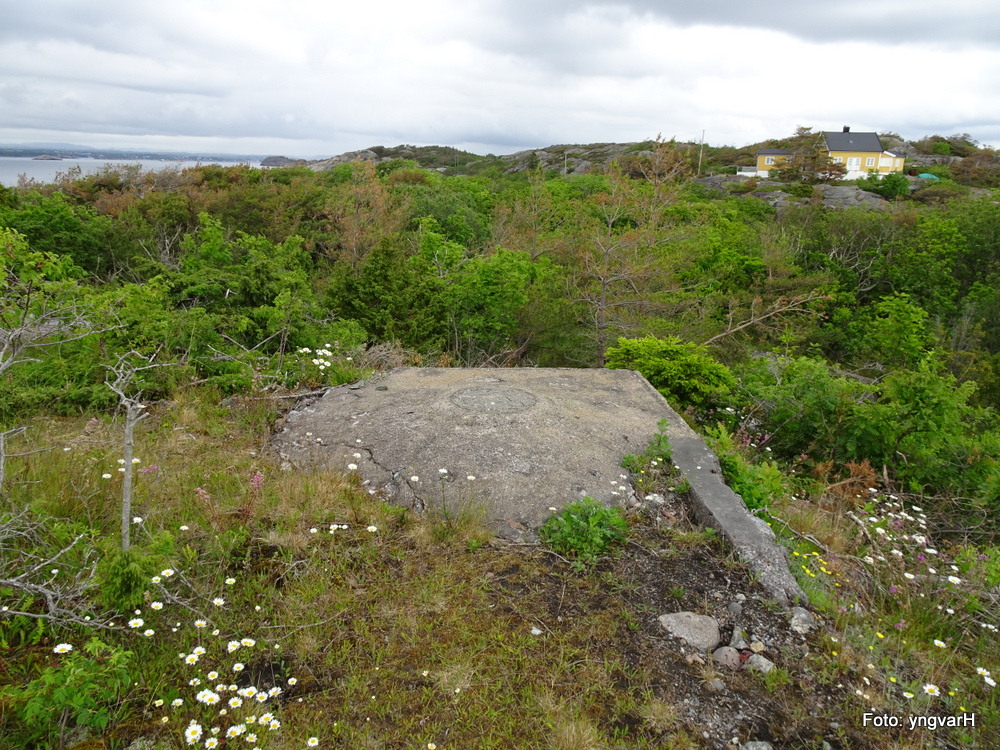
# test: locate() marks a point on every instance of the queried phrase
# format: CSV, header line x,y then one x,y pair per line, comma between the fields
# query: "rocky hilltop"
x,y
565,158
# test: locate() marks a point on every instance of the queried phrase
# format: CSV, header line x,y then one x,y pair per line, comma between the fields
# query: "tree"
x,y
360,213
52,224
854,244
980,169
616,268
125,371
39,301
534,219
923,263
664,165
156,223
892,334
810,160
471,303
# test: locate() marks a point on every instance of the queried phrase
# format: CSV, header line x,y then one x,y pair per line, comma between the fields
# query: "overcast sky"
x,y
316,78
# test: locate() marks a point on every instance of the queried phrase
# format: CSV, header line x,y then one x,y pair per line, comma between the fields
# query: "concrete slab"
x,y
516,443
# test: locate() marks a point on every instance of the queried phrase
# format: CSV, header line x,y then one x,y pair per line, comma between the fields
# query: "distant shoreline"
x,y
55,153
48,171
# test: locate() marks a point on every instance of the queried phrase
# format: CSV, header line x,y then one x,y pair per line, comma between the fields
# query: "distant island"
x,y
59,151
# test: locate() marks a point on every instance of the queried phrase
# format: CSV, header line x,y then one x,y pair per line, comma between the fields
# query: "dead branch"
x,y
781,306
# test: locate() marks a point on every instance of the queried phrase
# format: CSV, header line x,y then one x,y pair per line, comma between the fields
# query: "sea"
x,y
46,170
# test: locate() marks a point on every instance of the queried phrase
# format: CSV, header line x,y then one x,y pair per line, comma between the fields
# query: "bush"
x,y
584,530
684,373
890,186
78,689
756,483
918,423
123,577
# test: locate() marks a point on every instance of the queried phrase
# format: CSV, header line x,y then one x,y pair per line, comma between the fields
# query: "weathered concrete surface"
x,y
532,438
717,506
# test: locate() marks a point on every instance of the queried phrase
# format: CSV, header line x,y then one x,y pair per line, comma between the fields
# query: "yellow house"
x,y
771,158
860,153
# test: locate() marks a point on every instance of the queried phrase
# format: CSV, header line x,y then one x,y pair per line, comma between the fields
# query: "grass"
x,y
406,629
398,630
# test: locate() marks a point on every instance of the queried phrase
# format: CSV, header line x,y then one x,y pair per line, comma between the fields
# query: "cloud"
x,y
312,78
885,21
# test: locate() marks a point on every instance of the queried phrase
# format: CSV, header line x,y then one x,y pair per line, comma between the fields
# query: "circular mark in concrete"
x,y
493,399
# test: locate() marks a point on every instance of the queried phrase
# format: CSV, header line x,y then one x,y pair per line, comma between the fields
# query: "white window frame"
x,y
870,161
769,160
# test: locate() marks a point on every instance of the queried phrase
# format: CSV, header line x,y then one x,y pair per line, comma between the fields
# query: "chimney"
x,y
847,128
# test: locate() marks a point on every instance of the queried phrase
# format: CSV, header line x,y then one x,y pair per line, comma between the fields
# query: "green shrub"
x,y
890,186
755,482
919,423
122,578
584,530
78,688
684,373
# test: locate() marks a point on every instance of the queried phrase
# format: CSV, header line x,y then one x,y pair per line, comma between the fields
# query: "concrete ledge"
x,y
717,506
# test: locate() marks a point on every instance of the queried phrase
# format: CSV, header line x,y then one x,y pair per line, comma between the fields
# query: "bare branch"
x,y
781,306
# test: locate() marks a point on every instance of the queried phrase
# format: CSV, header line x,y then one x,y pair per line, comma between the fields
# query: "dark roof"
x,y
839,141
774,152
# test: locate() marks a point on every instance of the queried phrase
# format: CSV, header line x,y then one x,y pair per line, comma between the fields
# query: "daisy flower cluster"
x,y
932,606
321,359
316,362
651,471
901,550
121,468
220,699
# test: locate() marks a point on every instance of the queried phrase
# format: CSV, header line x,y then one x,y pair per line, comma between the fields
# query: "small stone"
x,y
728,656
738,641
741,597
700,631
757,647
734,608
715,685
759,663
802,621
756,745
381,388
